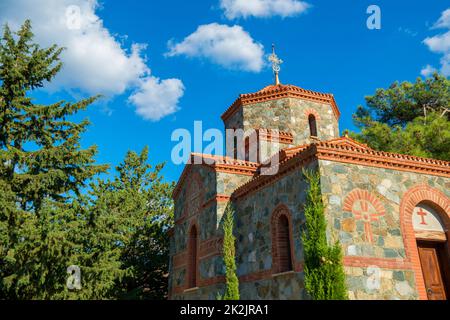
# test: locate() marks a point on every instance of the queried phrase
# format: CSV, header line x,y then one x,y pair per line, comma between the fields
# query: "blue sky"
x,y
326,48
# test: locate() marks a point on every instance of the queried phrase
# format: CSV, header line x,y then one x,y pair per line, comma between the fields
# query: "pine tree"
x,y
229,256
41,165
324,272
408,118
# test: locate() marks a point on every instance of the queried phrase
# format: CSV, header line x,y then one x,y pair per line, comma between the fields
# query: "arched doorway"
x,y
433,249
413,208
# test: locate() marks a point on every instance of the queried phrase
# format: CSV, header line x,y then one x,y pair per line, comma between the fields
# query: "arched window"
x,y
281,241
312,125
192,258
284,245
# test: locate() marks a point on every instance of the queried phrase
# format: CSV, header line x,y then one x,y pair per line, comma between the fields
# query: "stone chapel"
x,y
390,212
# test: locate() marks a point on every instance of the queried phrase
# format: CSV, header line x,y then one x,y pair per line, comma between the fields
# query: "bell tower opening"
x,y
312,125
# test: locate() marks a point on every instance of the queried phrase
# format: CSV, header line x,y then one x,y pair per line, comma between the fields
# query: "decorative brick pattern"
x,y
365,206
388,191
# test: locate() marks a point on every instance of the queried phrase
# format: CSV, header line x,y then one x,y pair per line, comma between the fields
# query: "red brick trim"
x,y
216,163
288,163
201,284
251,277
279,92
413,197
314,112
275,136
378,159
344,150
255,276
217,199
364,262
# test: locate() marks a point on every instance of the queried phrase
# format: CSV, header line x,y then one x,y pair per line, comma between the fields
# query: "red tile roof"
x,y
344,150
278,92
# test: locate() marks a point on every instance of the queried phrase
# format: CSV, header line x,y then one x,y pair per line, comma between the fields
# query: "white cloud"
x,y
444,20
440,43
262,8
229,47
94,60
428,70
156,99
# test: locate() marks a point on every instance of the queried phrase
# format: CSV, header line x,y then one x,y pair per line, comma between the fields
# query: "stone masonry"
x,y
369,197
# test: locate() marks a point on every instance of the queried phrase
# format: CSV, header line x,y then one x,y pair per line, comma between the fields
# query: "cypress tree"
x,y
324,271
229,256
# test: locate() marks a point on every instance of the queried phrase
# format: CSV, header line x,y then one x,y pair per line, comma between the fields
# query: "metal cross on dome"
x,y
276,62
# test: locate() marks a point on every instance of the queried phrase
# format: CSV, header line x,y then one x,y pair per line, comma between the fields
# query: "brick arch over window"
x,y
314,112
438,201
282,240
192,272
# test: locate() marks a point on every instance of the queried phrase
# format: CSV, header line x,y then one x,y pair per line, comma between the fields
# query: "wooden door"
x,y
432,270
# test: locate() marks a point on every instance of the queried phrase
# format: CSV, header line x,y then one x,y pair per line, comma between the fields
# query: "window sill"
x,y
191,290
282,274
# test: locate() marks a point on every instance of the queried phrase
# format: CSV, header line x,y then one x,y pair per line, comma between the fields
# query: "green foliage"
x,y
116,233
324,271
41,167
409,118
229,256
423,137
132,215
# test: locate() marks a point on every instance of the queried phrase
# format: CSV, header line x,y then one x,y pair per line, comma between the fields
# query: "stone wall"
x,y
287,115
378,243
208,219
291,115
258,280
362,208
